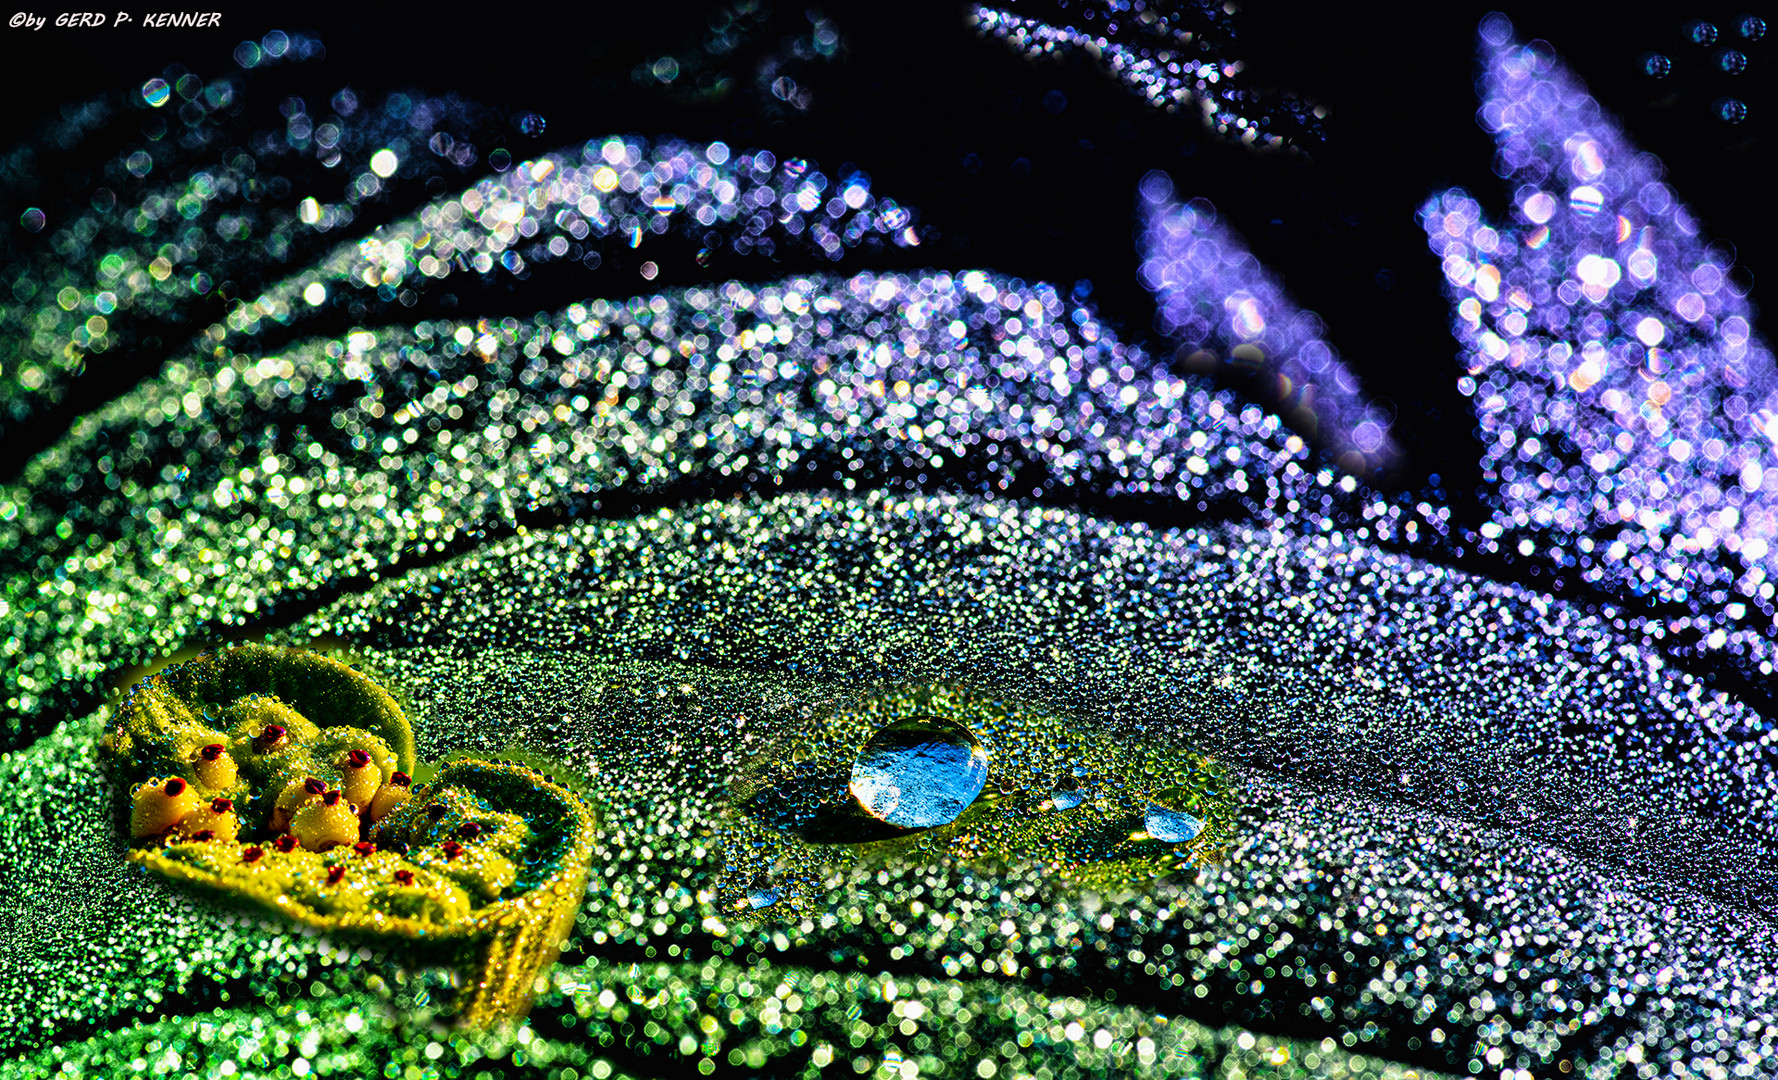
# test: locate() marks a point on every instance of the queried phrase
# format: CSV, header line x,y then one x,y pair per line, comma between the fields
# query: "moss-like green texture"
x,y
489,860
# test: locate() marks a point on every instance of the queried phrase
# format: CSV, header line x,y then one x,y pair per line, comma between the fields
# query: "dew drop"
x,y
919,774
1171,826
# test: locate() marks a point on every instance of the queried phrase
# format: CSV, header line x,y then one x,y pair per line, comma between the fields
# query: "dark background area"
x,y
1030,166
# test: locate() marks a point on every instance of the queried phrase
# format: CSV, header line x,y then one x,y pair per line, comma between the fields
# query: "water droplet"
x,y
1171,826
761,896
919,774
1658,66
32,219
1703,33
1732,111
532,124
156,92
1066,800
1733,62
1753,28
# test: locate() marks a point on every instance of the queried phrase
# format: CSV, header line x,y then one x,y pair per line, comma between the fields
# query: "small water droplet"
x,y
1066,800
761,896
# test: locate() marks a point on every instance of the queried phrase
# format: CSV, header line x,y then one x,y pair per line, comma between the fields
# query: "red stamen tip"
x,y
204,834
331,798
175,786
364,847
221,804
286,843
405,877
272,732
452,849
469,830
252,854
401,779
334,874
358,759
436,811
314,786
212,752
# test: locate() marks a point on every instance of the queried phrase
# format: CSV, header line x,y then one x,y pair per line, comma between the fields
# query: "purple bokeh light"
x,y
1216,300
1628,412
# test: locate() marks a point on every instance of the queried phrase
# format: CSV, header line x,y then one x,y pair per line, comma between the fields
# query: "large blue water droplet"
x,y
918,774
1171,826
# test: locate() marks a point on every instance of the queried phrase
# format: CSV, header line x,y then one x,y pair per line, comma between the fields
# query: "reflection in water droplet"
x,y
1658,66
156,92
919,774
1170,826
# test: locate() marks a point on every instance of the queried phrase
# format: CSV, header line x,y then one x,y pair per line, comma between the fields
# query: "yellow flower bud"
x,y
296,795
215,769
214,820
388,797
327,823
363,777
159,805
